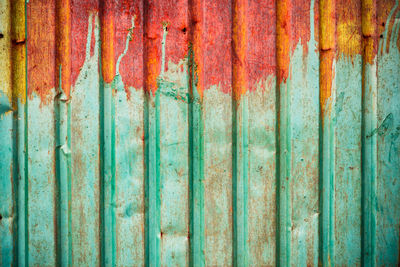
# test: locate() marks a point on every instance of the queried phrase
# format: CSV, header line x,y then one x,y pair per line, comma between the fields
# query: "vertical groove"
x,y
107,113
196,141
369,122
327,48
152,137
239,134
283,144
63,140
19,79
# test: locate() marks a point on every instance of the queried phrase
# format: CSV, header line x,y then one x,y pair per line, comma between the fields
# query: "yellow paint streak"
x,y
369,30
327,50
239,48
63,43
5,48
348,38
348,28
18,57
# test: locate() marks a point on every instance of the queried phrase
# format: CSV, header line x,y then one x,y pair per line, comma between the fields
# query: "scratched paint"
x,y
199,132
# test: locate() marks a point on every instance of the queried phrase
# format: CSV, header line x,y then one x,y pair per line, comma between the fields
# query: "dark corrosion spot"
x,y
1,35
1,217
383,23
381,36
166,28
184,30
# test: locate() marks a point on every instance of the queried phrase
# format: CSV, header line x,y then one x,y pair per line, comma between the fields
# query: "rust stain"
x,y
239,83
63,46
107,40
327,50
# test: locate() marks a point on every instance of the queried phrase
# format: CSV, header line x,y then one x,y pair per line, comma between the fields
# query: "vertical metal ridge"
x,y
283,144
196,132
239,134
152,142
368,124
63,132
19,90
327,49
107,113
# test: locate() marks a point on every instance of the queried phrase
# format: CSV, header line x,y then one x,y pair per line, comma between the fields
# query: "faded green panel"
x,y
217,108
174,171
7,189
41,205
129,183
387,132
346,117
85,180
300,148
261,209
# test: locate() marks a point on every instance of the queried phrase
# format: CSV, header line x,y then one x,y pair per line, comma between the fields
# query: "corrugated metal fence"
x,y
199,132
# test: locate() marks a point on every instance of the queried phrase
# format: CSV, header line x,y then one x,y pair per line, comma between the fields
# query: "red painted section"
x,y
239,48
196,39
209,31
261,41
63,45
174,14
80,20
131,67
41,48
217,44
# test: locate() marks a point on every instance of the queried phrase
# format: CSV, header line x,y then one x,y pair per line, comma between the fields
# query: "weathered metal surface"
x,y
199,132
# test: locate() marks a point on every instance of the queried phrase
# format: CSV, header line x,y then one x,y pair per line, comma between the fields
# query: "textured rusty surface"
x,y
199,132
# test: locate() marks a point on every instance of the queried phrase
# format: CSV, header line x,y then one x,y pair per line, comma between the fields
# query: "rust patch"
x,y
107,40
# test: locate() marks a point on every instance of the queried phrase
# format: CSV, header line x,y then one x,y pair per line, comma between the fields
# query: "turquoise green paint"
x,y
152,177
174,167
129,170
297,160
196,169
369,163
217,114
261,209
240,143
6,184
85,158
41,188
386,187
129,182
63,175
347,211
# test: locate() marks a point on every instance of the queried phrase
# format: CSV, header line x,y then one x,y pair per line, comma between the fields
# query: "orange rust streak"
x,y
107,41
63,45
369,30
152,66
197,42
239,48
152,46
283,31
327,49
18,57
